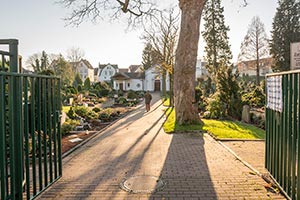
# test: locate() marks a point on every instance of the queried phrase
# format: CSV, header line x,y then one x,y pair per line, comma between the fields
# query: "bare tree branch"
x,y
137,11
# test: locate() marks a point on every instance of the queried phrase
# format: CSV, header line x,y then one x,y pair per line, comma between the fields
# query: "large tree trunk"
x,y
185,62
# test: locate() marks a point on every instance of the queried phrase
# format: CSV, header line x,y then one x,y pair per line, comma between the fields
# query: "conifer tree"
x,y
218,55
217,47
147,56
286,30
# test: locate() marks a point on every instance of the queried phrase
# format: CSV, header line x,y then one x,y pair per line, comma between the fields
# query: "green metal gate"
x,y
30,140
283,131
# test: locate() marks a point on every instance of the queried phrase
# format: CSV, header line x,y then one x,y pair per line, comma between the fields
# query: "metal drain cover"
x,y
142,184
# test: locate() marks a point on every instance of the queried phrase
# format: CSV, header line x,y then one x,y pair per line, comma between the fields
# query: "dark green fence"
x,y
30,140
283,131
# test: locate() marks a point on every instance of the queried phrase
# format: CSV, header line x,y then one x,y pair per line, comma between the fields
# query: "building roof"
x,y
102,66
123,70
134,68
86,62
128,75
251,64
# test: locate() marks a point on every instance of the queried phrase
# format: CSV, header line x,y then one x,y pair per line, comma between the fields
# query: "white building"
x,y
105,72
249,67
149,80
201,70
84,68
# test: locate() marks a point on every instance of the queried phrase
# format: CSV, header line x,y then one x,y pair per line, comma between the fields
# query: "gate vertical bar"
x,y
39,128
26,136
12,139
293,132
45,133
19,136
58,107
298,137
3,174
285,134
267,151
54,125
49,120
33,133
290,134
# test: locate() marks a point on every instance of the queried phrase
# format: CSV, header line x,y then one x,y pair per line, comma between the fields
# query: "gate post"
x,y
14,61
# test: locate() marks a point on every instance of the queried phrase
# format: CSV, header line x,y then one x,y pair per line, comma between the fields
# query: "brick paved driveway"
x,y
193,166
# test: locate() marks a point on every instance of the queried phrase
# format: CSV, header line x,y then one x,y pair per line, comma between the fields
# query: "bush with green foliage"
x,y
104,116
71,114
228,91
121,100
104,92
87,83
96,109
257,120
255,97
132,94
68,126
215,107
82,111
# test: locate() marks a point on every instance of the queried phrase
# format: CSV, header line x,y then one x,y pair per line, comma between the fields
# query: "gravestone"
x,y
246,114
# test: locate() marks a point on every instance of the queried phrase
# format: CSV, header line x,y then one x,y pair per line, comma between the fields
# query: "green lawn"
x,y
219,128
170,126
232,129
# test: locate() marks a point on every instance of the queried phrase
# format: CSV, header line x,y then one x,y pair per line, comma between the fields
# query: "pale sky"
x,y
39,25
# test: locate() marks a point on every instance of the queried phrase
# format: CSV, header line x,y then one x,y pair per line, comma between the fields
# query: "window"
x,y
105,73
110,72
128,85
138,85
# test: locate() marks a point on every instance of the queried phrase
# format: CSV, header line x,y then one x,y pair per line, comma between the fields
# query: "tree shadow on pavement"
x,y
88,172
185,170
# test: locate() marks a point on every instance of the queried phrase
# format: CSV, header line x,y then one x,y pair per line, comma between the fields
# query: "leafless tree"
x,y
75,54
137,11
255,45
163,37
35,61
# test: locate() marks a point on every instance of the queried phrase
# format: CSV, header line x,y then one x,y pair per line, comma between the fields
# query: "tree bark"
x,y
185,62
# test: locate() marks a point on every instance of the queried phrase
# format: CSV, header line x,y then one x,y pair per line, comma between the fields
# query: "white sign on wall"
x,y
295,55
274,93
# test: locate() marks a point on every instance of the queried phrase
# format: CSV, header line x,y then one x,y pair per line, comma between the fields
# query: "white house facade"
x,y
85,69
201,70
128,81
150,80
249,67
105,72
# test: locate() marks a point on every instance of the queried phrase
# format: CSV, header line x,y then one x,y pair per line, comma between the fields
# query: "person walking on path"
x,y
148,98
